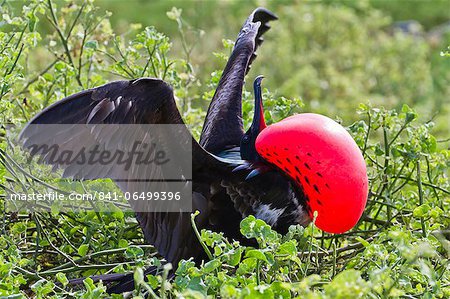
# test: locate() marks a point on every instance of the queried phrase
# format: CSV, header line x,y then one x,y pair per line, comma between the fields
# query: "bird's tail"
x,y
126,283
116,283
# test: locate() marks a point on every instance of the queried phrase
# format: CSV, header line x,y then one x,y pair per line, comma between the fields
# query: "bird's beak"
x,y
248,150
258,120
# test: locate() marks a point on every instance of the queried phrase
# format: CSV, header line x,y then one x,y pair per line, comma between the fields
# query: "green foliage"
x,y
399,249
331,54
430,13
15,44
341,57
446,52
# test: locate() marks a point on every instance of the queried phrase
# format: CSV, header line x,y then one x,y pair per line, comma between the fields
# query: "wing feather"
x,y
142,101
223,126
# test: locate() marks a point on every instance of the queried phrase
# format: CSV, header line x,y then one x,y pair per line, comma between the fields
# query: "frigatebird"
x,y
304,168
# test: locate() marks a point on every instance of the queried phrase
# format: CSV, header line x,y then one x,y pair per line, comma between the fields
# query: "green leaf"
x,y
138,276
248,265
19,227
421,211
134,252
288,248
257,254
234,257
152,281
83,249
362,241
92,44
32,22
123,243
60,66
61,277
211,266
347,284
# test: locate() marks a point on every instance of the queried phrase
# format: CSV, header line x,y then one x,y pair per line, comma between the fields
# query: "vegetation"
x,y
401,246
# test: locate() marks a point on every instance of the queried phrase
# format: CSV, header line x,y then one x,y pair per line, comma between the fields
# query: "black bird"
x,y
230,178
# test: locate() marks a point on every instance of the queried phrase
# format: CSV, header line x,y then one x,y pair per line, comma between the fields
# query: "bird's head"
x,y
320,157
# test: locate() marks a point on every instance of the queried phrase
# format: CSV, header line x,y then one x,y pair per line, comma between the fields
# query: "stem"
x,y
409,179
85,267
441,203
394,181
398,134
419,187
37,76
149,290
197,233
368,132
75,21
386,166
258,269
166,269
42,230
38,237
80,58
334,258
150,59
54,23
29,175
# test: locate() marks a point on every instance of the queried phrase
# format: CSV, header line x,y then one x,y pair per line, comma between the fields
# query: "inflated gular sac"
x,y
323,159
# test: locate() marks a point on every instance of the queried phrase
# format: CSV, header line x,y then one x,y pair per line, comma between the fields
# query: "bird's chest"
x,y
276,204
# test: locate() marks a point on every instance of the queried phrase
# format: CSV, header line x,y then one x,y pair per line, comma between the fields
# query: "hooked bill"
x,y
323,159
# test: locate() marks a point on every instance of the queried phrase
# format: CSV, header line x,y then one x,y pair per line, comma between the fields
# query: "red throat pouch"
x,y
325,162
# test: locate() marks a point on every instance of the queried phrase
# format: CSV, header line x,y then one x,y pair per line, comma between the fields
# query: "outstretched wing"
x,y
141,101
223,126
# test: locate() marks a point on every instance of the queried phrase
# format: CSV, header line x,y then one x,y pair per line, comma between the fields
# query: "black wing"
x,y
223,126
141,101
